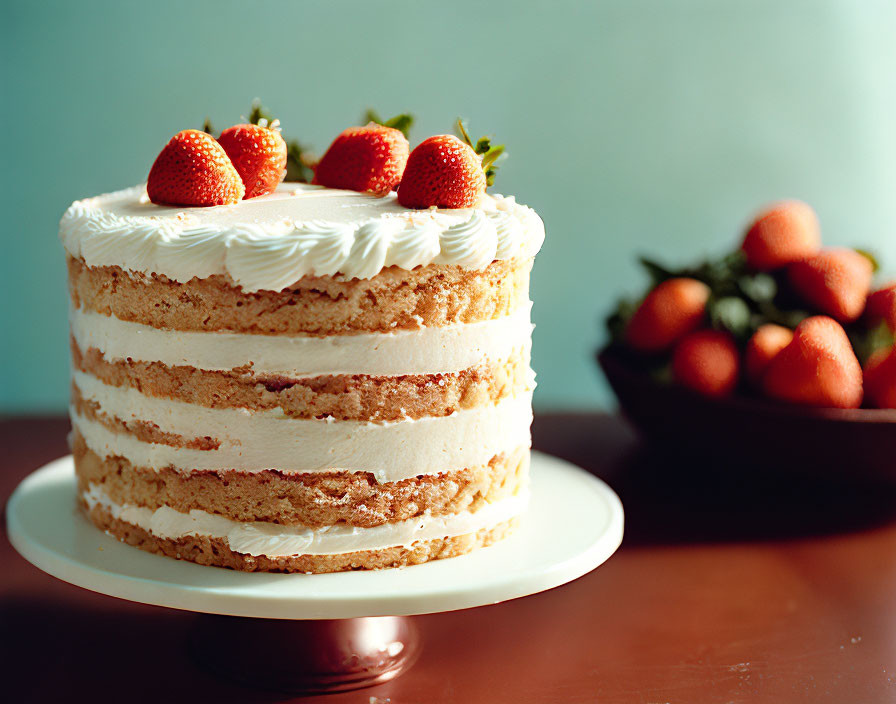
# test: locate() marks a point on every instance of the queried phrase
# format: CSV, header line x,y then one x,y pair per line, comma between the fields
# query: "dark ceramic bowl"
x,y
743,432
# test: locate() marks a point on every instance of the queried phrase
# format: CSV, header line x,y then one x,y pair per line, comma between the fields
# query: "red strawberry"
x,y
880,379
782,234
762,348
881,306
258,154
444,172
370,158
669,312
835,281
193,169
708,362
818,368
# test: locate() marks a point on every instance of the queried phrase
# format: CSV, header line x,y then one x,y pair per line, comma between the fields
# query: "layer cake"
x,y
309,381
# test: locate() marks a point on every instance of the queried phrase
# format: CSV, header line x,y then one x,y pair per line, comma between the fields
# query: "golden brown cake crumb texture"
x,y
310,499
394,299
342,397
216,552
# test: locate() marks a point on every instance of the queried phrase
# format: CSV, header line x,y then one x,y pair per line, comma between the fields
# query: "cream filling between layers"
x,y
432,350
254,441
274,540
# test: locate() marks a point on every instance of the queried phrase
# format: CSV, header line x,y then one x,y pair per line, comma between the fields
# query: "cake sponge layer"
x,y
314,499
216,552
342,397
395,299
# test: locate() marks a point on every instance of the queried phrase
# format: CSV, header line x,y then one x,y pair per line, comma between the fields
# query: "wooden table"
x,y
727,589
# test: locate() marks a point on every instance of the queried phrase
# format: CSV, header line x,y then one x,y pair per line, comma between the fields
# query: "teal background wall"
x,y
634,126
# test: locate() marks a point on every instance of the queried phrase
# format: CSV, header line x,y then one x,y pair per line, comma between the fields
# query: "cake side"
x,y
338,423
382,449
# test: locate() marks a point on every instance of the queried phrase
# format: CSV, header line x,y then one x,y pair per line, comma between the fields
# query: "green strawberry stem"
x,y
259,112
402,122
483,147
870,256
299,160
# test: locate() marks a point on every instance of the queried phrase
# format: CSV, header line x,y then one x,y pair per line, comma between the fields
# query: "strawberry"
x,y
258,153
762,348
443,172
880,379
193,169
708,362
670,311
835,281
370,158
818,367
782,234
881,306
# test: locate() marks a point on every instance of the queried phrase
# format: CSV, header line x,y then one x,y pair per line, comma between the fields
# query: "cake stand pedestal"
x,y
327,632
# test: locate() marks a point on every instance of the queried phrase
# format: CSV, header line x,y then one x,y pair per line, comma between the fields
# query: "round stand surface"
x,y
574,523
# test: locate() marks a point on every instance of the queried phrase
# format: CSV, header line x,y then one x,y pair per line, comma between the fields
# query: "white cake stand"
x,y
326,632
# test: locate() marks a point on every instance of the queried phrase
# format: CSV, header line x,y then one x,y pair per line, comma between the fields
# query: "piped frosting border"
x,y
263,244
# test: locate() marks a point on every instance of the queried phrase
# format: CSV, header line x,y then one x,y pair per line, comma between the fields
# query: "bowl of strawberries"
x,y
778,356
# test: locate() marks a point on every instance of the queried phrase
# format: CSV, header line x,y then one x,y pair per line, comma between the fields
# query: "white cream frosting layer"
x,y
276,540
434,350
253,441
271,242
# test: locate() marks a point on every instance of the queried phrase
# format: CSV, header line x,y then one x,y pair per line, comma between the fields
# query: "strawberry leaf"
x,y
617,322
875,264
868,341
657,272
299,162
483,147
207,127
402,122
758,288
258,113
732,314
298,157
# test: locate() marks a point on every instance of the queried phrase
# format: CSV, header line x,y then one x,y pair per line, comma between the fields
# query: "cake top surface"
x,y
272,241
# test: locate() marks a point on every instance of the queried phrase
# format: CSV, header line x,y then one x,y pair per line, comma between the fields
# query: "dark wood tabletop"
x,y
729,587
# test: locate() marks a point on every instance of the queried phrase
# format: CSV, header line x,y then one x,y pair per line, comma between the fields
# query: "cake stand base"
x,y
322,632
306,657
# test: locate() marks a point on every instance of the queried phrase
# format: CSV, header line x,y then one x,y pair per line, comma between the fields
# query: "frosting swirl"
x,y
271,242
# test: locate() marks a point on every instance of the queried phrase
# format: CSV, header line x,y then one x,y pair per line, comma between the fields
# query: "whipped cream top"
x,y
269,243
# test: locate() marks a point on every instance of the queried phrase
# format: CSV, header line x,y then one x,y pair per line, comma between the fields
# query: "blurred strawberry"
x,y
668,313
784,233
881,306
763,347
193,169
366,159
835,281
880,379
707,361
258,153
818,367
